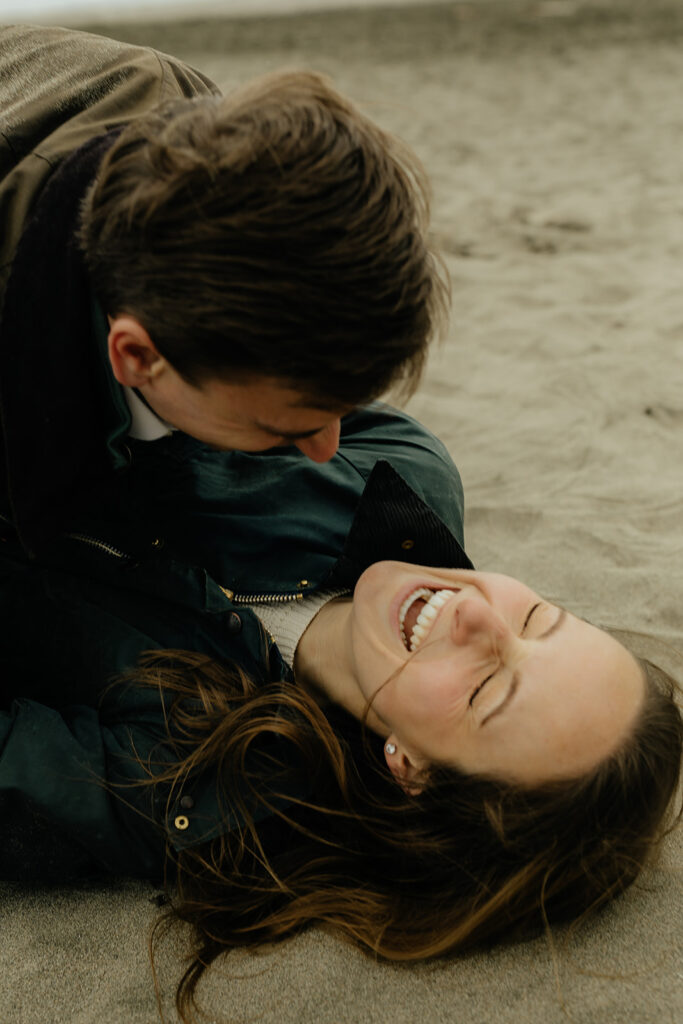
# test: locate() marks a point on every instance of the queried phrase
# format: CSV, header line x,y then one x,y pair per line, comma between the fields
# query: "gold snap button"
x,y
302,583
182,822
407,544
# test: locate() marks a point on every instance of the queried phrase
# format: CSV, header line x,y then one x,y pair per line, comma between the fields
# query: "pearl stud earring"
x,y
390,748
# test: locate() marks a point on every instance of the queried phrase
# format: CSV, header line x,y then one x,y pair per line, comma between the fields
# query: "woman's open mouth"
x,y
418,612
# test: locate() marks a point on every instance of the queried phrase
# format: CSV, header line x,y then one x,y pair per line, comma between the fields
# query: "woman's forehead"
x,y
578,696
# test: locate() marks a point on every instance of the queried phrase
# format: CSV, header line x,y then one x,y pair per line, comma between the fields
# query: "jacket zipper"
x,y
109,549
260,598
243,599
99,545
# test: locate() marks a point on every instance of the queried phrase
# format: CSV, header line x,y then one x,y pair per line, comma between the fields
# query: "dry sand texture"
x,y
553,133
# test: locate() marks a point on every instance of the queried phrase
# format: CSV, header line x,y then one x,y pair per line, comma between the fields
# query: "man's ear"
x,y
407,769
133,355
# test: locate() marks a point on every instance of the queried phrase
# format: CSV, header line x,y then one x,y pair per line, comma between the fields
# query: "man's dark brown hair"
x,y
275,232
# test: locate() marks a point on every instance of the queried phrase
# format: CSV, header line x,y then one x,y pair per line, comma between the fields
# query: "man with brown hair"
x,y
243,270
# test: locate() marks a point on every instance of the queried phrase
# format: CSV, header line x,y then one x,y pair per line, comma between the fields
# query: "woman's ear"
x,y
407,769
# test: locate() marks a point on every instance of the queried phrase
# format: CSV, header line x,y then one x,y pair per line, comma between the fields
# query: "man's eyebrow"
x,y
515,678
288,435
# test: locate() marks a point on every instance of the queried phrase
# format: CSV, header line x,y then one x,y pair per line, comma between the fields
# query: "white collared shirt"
x,y
145,425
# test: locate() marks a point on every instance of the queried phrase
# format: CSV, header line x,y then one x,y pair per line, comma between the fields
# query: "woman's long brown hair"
x,y
470,860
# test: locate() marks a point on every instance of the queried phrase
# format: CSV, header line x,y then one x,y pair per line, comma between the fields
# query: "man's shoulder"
x,y
60,85
381,431
58,90
378,422
47,65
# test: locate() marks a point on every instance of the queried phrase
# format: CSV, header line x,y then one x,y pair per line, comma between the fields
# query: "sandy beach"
x,y
553,135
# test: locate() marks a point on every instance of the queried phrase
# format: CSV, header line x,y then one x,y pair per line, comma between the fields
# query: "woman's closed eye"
x,y
531,612
483,683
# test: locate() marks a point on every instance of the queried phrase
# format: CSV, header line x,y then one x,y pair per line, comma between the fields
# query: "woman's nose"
x,y
475,619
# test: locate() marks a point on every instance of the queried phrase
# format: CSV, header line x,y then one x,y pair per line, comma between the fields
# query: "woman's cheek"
x,y
434,698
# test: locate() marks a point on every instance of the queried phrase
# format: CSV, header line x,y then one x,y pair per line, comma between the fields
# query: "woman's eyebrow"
x,y
515,678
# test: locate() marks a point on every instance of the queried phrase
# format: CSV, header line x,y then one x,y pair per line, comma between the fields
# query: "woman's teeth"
x,y
434,601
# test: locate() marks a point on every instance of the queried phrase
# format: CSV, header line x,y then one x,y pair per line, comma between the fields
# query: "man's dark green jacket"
x,y
204,533
64,96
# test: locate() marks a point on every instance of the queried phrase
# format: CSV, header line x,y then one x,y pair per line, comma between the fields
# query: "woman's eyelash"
x,y
533,609
479,687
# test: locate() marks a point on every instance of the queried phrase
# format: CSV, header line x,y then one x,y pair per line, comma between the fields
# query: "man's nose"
x,y
322,446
